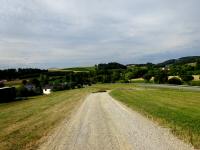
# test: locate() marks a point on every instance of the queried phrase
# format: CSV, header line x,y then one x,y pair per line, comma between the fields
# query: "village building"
x,y
47,89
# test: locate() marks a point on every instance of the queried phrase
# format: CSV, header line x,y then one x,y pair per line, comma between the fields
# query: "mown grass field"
x,y
175,109
24,123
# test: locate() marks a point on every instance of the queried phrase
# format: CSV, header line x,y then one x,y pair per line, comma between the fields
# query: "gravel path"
x,y
101,123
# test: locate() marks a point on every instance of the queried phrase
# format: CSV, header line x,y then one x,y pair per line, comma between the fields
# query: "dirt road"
x,y
102,123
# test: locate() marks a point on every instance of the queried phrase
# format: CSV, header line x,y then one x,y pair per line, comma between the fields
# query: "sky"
x,y
67,33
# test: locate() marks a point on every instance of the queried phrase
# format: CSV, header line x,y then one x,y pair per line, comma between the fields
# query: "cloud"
x,y
64,33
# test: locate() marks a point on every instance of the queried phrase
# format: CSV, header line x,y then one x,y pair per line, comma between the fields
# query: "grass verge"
x,y
175,109
24,123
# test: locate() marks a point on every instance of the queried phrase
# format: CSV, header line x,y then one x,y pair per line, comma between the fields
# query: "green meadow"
x,y
178,110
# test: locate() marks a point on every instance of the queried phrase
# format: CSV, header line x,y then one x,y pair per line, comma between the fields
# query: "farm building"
x,y
7,94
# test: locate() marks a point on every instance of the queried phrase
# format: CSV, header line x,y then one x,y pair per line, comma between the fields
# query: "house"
x,y
7,94
47,89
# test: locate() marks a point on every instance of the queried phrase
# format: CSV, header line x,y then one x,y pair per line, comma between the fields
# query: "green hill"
x,y
182,60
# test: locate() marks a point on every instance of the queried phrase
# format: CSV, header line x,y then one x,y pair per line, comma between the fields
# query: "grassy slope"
x,y
179,110
24,123
57,70
75,69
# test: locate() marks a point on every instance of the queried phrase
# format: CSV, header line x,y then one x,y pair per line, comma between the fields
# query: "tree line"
x,y
20,73
103,73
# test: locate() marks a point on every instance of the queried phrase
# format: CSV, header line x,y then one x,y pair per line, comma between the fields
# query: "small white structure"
x,y
46,91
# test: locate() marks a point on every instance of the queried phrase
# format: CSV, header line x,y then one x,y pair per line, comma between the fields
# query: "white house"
x,y
46,91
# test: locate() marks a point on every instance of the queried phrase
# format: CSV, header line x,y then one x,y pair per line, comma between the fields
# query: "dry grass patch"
x,y
24,123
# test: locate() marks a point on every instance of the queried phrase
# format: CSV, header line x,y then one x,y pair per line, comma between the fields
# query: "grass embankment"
x,y
24,123
176,109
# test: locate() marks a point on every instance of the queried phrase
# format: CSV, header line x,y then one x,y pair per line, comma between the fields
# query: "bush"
x,y
147,77
21,92
187,78
161,77
79,86
58,87
195,83
24,82
24,92
175,80
123,81
72,85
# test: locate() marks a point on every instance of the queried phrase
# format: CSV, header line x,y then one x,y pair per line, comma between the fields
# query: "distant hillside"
x,y
80,69
182,60
114,65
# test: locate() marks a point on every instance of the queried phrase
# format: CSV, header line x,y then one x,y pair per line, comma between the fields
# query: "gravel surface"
x,y
102,123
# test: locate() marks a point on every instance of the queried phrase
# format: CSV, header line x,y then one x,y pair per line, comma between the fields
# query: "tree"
x,y
36,82
161,77
112,65
198,64
22,91
115,76
139,72
147,77
175,80
150,66
129,75
44,79
187,78
24,82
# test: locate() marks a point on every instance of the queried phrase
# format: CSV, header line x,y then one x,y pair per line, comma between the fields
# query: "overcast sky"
x,y
65,33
